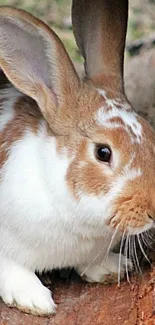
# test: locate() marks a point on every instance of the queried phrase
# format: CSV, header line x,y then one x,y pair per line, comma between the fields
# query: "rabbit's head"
x,y
110,148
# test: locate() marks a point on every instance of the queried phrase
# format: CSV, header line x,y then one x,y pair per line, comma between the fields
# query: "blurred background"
x,y
140,45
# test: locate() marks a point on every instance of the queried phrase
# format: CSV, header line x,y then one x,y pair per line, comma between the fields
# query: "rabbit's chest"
x,y
65,250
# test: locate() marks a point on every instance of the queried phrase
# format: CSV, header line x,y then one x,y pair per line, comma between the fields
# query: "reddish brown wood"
x,y
84,304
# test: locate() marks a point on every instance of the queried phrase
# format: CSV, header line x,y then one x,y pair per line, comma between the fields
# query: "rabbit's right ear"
x,y
35,61
100,31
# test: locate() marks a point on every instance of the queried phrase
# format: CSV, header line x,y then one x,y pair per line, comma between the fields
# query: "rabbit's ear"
x,y
35,61
100,31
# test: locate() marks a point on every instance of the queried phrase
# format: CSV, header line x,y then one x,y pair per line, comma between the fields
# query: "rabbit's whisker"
x,y
120,256
142,250
101,251
137,265
126,255
146,240
112,240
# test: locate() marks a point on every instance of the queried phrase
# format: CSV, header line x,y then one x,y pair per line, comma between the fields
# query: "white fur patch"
x,y
8,97
128,118
98,272
20,287
114,102
121,181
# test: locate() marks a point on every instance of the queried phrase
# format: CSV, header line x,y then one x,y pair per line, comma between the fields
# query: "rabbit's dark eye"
x,y
103,153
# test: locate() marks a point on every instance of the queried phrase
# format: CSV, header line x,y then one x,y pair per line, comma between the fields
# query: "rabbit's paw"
x,y
23,290
107,271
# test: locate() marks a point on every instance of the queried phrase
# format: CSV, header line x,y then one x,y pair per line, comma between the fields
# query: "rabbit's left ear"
x,y
35,61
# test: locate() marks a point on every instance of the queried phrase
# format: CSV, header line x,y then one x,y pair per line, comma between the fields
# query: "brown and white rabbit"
x,y
76,162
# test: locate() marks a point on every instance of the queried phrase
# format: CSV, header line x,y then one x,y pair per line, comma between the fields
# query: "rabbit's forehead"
x,y
115,114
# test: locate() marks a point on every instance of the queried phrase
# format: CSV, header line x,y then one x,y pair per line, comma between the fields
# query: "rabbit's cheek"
x,y
88,179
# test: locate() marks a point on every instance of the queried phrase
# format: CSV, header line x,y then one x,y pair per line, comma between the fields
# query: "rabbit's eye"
x,y
103,153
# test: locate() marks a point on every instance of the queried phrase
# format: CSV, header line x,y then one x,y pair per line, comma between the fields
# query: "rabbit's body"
x,y
76,162
45,226
51,216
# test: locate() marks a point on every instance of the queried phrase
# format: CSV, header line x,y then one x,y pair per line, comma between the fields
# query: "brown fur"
x,y
84,175
138,199
133,210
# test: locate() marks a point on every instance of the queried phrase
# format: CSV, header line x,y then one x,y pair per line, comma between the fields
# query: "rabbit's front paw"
x,y
106,272
23,290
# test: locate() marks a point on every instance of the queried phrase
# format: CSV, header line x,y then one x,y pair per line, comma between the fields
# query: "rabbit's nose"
x,y
151,216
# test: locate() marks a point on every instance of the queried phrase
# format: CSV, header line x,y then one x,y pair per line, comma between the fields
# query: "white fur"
x,y
8,96
114,102
20,287
98,272
129,118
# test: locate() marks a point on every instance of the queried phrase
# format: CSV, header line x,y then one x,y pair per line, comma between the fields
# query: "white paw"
x,y
106,271
22,289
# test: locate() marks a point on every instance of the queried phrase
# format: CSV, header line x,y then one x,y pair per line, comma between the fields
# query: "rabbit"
x,y
76,162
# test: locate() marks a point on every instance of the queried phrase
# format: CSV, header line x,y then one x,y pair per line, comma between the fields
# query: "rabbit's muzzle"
x,y
134,214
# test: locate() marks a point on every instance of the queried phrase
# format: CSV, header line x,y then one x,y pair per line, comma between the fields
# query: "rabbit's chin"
x,y
137,231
